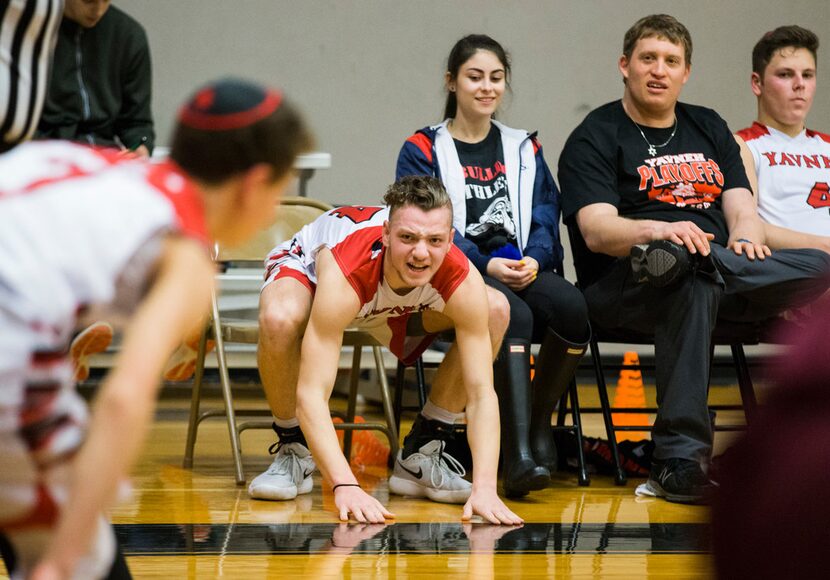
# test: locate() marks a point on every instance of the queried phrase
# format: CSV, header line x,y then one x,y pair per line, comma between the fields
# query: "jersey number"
x,y
356,213
819,195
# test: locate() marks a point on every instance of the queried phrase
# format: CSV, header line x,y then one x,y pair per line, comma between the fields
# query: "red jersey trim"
x,y
451,274
753,132
400,341
410,358
354,256
44,514
823,136
47,358
397,324
423,143
186,199
295,274
536,145
110,156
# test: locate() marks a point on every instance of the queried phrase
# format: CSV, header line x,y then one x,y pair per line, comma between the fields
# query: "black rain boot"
x,y
555,368
520,473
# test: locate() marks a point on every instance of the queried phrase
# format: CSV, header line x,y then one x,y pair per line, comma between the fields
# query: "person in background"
x,y
669,240
28,32
788,164
99,94
506,220
101,83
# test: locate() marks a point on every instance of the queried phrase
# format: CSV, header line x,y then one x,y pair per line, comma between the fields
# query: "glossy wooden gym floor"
x,y
198,524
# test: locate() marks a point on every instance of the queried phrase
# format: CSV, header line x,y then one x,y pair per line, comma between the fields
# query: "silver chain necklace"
x,y
652,148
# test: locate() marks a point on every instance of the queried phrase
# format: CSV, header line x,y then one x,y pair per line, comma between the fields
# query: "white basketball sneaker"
x,y
288,476
430,473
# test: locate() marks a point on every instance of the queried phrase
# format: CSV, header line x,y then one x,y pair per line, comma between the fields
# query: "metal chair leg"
x,y
422,388
562,411
582,471
619,478
400,376
195,401
387,400
745,383
351,407
225,383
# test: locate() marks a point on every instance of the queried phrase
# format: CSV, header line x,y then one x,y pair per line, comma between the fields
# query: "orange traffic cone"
x,y
367,449
630,394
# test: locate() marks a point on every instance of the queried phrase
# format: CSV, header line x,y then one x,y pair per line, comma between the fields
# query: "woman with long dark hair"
x,y
506,220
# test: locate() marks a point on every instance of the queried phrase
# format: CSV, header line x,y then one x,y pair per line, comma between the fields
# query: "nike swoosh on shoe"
x,y
419,474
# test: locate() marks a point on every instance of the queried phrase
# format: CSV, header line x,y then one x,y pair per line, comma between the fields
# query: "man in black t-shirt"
x,y
663,181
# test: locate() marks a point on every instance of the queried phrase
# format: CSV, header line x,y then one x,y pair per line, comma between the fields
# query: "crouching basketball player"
x,y
393,272
81,227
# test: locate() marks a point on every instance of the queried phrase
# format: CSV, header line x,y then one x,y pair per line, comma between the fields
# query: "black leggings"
x,y
549,301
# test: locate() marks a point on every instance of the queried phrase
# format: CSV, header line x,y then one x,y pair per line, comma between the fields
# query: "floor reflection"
x,y
413,538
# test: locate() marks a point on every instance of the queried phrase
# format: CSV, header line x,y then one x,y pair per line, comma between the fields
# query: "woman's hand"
x,y
515,274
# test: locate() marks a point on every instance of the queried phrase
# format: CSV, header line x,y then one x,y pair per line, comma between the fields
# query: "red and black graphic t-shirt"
x,y
490,221
606,160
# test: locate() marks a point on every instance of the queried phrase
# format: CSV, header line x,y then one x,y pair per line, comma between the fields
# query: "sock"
x,y
286,423
436,413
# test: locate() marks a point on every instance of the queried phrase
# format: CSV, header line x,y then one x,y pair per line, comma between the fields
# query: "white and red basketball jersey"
x,y
793,177
76,222
354,236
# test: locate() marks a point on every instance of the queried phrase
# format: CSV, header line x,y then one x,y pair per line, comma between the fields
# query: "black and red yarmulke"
x,y
229,104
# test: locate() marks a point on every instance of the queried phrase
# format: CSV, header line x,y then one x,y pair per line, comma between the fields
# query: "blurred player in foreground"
x,y
80,228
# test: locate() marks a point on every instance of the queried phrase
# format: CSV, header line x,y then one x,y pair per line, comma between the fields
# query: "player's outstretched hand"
x,y
489,506
362,506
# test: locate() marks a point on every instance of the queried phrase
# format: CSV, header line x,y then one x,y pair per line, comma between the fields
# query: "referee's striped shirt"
x,y
28,31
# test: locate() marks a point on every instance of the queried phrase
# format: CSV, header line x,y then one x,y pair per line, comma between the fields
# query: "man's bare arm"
x,y
465,309
746,231
749,166
747,234
606,232
779,238
334,308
